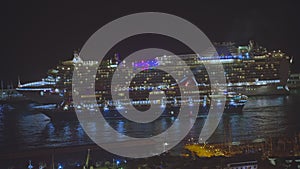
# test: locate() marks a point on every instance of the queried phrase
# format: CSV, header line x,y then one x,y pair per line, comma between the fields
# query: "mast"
x,y
52,159
19,81
30,166
1,88
87,160
11,85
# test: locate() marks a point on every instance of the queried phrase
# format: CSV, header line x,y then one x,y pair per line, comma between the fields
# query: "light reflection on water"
x,y
263,117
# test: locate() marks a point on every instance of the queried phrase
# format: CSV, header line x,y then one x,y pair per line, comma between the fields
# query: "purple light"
x,y
146,64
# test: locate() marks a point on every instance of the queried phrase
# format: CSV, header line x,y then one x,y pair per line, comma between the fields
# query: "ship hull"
x,y
228,109
260,90
61,115
245,90
47,98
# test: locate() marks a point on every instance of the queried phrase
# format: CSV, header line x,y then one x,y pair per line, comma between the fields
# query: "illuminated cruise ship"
x,y
249,70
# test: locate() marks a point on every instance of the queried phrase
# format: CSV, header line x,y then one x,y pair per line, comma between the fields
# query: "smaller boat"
x,y
294,81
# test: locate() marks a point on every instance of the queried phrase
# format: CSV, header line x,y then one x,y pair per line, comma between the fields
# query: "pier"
x,y
272,147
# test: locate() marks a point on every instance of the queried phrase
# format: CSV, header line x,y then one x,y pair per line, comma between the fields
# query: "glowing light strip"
x,y
34,89
40,83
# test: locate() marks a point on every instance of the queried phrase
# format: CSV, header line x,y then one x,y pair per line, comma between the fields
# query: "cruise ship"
x,y
249,70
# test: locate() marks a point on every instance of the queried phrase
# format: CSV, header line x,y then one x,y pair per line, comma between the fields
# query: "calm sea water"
x,y
263,117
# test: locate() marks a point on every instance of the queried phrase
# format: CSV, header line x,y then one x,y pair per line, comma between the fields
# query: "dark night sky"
x,y
35,36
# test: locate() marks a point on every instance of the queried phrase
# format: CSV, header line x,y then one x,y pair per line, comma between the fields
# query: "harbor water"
x,y
263,117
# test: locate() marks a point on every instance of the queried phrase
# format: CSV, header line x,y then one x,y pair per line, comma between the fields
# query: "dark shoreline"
x,y
48,151
76,155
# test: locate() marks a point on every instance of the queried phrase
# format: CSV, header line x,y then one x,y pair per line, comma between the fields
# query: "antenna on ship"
x,y
76,57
